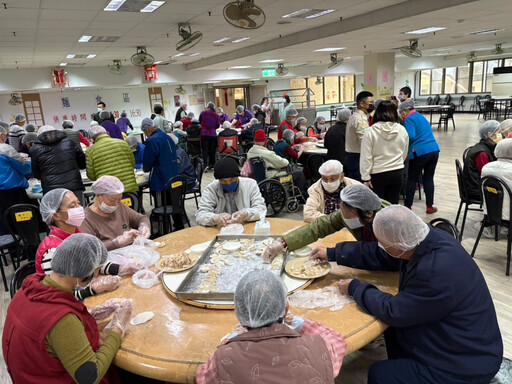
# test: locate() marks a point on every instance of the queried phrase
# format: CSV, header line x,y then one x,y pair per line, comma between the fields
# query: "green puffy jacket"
x,y
112,157
322,227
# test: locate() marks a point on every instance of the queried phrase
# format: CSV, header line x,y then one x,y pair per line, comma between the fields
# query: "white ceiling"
x,y
48,30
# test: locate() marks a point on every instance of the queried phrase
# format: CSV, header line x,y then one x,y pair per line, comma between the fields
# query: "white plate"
x,y
199,248
142,318
232,246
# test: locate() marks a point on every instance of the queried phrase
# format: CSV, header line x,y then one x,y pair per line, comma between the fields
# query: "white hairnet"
x,y
31,128
191,115
254,121
289,135
331,168
93,123
96,130
256,107
343,115
29,137
131,141
301,120
240,108
361,197
505,126
177,124
104,115
219,110
107,185
503,150
260,299
319,119
226,125
488,128
47,128
210,105
147,123
67,124
50,203
20,118
399,227
292,112
79,255
407,105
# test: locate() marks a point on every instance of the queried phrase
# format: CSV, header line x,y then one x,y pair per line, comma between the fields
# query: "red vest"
x,y
282,127
53,240
31,313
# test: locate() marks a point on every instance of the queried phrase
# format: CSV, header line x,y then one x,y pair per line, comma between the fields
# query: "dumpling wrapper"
x,y
142,318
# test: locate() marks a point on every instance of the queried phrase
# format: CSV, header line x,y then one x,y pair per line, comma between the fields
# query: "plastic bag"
x,y
134,252
232,229
320,298
145,278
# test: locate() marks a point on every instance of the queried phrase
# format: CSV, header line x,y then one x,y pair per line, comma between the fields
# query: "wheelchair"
x,y
279,192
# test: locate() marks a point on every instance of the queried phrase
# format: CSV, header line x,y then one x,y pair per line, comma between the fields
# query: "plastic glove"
x,y
238,217
130,268
126,238
273,250
104,310
105,283
122,316
221,219
144,231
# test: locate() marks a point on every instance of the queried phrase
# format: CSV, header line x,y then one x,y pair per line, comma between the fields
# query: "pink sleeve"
x,y
208,372
336,344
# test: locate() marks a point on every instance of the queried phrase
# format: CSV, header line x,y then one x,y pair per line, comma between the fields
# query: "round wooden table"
x,y
173,345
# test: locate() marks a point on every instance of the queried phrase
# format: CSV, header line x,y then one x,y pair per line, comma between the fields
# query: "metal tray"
x,y
181,291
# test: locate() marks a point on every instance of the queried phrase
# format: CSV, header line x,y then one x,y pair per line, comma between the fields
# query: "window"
x,y
508,63
425,83
33,108
450,79
298,84
463,79
331,90
318,90
491,64
437,81
327,90
477,80
347,88
155,96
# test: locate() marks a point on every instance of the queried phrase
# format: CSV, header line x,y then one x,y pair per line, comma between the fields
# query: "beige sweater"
x,y
273,162
356,125
315,205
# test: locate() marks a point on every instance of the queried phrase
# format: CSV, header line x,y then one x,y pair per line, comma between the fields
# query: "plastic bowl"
x,y
145,278
303,252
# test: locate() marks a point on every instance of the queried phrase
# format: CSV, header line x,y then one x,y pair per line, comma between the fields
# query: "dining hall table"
x,y
178,340
431,109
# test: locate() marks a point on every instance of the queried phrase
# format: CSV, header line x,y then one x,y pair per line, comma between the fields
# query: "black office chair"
x,y
446,115
447,226
493,191
27,228
464,198
313,163
131,200
21,274
196,191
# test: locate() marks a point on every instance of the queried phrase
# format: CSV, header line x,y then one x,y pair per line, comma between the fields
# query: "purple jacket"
x,y
113,129
209,123
245,118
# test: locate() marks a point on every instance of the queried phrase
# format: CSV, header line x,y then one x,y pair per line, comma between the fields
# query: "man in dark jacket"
x,y
442,322
186,169
56,161
334,139
181,113
102,107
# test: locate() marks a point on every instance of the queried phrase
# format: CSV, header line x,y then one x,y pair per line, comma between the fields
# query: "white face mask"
x,y
107,208
384,249
352,223
331,187
321,127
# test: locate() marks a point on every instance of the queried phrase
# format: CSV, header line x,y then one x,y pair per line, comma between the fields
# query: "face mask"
x,y
230,187
321,127
370,108
401,98
384,249
100,110
76,216
331,187
498,139
107,208
303,128
352,223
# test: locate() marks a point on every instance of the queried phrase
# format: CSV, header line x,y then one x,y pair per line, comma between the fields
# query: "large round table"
x,y
173,345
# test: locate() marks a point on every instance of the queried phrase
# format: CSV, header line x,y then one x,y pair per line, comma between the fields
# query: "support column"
x,y
379,74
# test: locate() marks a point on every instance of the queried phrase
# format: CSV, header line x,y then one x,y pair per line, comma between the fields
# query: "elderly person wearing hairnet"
x,y
270,338
442,322
287,123
317,130
111,157
300,128
247,134
75,136
16,131
29,140
46,324
243,116
187,120
479,155
223,116
284,147
112,128
209,123
423,154
259,114
357,211
180,134
31,128
324,195
57,161
334,139
137,149
115,224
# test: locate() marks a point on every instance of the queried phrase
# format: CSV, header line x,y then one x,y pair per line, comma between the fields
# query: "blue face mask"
x,y
230,187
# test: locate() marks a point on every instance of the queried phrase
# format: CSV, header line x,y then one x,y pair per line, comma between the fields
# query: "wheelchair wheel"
x,y
292,205
274,195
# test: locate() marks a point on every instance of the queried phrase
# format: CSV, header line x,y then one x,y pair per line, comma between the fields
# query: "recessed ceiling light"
x,y
329,49
240,67
153,6
114,5
272,61
158,62
63,64
222,40
484,31
84,39
70,56
195,54
297,13
425,30
177,55
240,40
91,56
322,13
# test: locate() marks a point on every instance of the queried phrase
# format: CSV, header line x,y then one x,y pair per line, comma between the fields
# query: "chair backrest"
x,y
429,100
228,145
199,172
477,99
132,201
489,105
493,191
487,96
451,111
462,99
436,100
24,222
447,226
178,187
270,144
258,168
465,154
463,194
313,163
447,99
20,275
193,146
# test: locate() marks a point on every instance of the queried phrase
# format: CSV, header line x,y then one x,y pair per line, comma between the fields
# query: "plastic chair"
x,y
437,100
7,247
21,274
429,100
476,104
313,163
26,227
131,200
460,106
196,191
445,116
489,109
493,191
447,226
464,198
447,99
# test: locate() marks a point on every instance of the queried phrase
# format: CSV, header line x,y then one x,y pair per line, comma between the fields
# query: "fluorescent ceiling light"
x,y
114,5
177,55
484,31
158,62
195,54
91,56
297,13
329,49
425,30
211,82
240,40
153,6
240,67
326,12
222,40
63,64
70,56
84,39
272,61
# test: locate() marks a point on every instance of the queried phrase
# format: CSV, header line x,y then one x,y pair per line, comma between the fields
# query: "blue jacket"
x,y
280,146
12,171
160,159
421,138
139,155
443,315
186,168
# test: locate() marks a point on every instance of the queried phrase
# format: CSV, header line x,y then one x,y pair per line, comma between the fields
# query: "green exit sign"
x,y
268,72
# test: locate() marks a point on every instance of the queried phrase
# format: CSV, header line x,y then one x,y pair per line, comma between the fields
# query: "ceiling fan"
x,y
142,58
471,56
319,80
179,89
412,49
188,39
281,70
335,61
244,14
15,99
497,50
117,68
